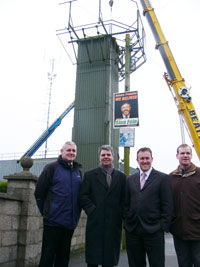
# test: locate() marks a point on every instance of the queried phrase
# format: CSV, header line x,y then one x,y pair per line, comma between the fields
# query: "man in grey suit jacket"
x,y
148,211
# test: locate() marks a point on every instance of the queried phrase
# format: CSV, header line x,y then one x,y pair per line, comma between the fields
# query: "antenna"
x,y
110,4
51,77
75,33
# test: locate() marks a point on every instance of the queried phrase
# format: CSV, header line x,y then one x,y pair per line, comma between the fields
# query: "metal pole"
x,y
99,11
51,76
127,88
182,129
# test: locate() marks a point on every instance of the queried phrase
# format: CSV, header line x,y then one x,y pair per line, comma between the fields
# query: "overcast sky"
x,y
29,43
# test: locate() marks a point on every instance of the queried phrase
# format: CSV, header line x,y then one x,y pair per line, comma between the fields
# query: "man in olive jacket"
x,y
102,197
185,227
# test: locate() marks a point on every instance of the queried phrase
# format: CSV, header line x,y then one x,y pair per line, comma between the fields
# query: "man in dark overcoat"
x,y
102,197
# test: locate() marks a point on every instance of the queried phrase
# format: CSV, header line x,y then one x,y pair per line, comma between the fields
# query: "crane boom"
x,y
174,79
45,135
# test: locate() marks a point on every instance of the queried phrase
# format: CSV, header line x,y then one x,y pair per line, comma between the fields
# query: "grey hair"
x,y
106,147
68,143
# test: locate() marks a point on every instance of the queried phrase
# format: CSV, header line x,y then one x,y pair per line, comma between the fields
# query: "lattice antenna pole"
x,y
51,77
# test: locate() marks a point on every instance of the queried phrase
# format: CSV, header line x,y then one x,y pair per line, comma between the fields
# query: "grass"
x,y
77,251
3,187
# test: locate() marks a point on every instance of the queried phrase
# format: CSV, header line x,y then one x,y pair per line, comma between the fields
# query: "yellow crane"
x,y
175,81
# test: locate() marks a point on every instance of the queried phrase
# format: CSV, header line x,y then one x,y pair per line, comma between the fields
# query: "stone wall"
x,y
21,223
78,240
9,224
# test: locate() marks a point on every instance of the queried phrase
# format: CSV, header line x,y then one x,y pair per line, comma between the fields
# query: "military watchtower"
x,y
95,38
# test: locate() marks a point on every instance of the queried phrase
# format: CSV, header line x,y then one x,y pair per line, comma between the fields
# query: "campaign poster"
x,y
127,137
126,109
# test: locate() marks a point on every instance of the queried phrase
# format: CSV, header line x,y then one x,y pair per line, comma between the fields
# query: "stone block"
x,y
15,222
5,222
13,253
9,238
77,231
73,242
18,192
4,254
32,251
23,223
33,209
9,264
25,194
1,232
22,236
33,223
79,240
21,184
82,231
41,222
9,207
24,210
34,237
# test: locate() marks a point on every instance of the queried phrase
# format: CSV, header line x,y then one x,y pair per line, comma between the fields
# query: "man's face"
x,y
69,153
126,108
184,157
144,160
106,158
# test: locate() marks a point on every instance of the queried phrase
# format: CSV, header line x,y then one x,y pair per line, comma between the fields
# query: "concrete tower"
x,y
96,81
99,50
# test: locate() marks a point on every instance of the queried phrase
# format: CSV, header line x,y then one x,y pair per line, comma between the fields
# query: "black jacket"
x,y
104,208
152,206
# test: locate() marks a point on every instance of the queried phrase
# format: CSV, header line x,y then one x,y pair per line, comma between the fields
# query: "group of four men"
x,y
149,203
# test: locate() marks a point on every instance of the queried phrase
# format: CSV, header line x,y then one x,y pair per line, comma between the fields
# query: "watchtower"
x,y
99,49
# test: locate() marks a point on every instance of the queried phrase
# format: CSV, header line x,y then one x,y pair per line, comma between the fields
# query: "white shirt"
x,y
147,174
126,117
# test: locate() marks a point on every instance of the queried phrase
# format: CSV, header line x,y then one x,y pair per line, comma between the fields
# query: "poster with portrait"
x,y
126,109
127,137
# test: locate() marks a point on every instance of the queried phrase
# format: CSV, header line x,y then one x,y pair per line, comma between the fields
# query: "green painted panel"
x,y
96,81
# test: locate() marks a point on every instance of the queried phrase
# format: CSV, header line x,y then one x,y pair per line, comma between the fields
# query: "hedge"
x,y
3,186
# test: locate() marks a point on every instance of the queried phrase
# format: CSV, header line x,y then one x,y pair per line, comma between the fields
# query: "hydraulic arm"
x,y
45,135
174,79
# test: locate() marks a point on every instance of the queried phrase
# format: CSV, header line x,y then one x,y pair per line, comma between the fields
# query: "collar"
x,y
147,173
184,170
69,165
107,169
185,173
126,117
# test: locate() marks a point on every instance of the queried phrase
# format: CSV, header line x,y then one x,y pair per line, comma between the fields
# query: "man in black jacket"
x,y
57,193
148,211
102,197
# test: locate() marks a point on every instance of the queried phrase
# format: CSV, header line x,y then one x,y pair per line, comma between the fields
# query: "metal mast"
x,y
51,77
